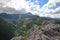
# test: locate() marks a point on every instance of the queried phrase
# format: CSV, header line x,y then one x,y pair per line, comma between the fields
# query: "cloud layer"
x,y
15,6
53,13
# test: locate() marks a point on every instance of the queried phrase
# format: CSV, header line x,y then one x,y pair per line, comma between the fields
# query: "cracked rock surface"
x,y
49,30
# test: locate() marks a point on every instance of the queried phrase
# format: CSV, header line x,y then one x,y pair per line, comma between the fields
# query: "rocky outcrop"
x,y
50,30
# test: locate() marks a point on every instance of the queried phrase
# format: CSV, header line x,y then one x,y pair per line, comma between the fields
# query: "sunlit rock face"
x,y
50,30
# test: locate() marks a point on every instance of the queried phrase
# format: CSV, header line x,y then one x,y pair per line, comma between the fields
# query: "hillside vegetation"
x,y
29,28
39,28
9,29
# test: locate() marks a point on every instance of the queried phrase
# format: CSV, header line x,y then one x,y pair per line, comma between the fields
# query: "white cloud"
x,y
18,5
15,6
51,3
11,10
57,11
53,13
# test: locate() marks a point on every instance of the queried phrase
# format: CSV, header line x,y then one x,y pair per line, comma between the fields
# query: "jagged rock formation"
x,y
50,30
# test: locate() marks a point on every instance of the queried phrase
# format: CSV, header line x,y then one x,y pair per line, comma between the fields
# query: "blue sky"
x,y
54,7
48,7
42,2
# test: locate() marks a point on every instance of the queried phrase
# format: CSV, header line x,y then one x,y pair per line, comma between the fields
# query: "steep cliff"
x,y
49,30
44,29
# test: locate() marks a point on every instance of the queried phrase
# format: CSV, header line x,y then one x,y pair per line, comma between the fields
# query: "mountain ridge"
x,y
15,16
48,30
